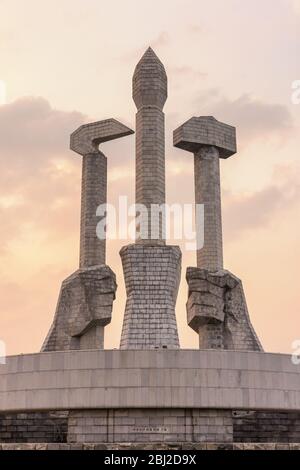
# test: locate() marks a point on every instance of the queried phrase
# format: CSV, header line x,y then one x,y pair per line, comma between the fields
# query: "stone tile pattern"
x,y
150,94
85,141
150,425
51,426
178,428
217,310
208,193
152,276
94,189
152,446
151,269
216,307
84,308
209,140
206,130
86,297
87,138
150,378
260,426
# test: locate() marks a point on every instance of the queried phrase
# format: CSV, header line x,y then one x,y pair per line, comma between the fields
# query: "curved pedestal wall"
x,y
153,396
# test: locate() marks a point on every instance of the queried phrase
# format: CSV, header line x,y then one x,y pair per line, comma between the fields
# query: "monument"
x,y
216,307
150,394
151,268
85,302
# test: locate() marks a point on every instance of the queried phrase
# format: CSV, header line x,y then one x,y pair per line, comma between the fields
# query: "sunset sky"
x,y
66,62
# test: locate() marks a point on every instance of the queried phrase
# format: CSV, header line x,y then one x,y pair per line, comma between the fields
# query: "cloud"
x,y
254,118
195,29
163,39
186,72
242,213
30,124
41,184
295,4
39,177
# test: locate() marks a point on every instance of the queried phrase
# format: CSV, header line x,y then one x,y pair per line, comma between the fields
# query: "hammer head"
x,y
206,130
88,137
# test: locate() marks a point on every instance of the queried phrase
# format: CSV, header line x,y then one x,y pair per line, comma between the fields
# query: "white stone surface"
x,y
87,138
146,379
151,269
206,130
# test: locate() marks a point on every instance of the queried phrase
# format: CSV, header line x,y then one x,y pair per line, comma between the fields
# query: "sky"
x,y
68,62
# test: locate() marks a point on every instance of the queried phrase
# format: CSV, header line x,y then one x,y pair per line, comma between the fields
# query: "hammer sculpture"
x,y
216,307
85,302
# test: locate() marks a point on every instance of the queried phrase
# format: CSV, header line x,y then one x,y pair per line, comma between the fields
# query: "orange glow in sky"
x,y
65,62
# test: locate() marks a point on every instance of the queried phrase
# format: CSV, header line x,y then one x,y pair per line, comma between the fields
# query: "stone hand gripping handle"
x,y
216,307
86,298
